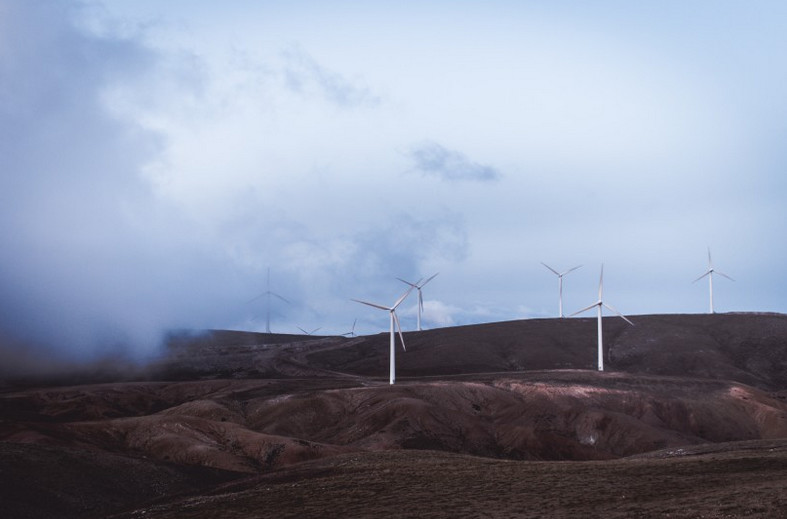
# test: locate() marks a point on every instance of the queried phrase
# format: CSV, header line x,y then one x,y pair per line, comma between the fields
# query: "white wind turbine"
x,y
268,295
560,284
599,304
710,273
418,286
394,319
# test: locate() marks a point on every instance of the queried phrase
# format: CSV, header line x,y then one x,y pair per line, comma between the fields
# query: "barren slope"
x,y
250,403
436,485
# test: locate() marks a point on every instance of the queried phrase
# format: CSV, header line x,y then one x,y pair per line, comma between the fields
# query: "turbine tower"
x,y
418,286
560,284
599,304
394,319
268,295
710,273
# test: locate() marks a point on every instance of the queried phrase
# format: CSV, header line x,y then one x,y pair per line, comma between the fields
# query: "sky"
x,y
158,159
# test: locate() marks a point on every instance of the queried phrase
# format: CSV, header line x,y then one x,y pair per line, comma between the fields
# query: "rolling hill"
x,y
222,417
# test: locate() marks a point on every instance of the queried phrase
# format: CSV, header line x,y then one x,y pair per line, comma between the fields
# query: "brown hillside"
x,y
293,412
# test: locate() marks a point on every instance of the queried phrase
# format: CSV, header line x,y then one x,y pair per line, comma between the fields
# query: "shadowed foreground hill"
x,y
748,482
307,426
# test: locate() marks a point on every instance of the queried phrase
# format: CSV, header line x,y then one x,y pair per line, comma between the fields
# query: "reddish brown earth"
x,y
495,420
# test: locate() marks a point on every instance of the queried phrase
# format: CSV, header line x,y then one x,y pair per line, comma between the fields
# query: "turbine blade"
x,y
723,274
702,276
710,263
351,333
550,268
404,296
571,270
619,314
315,330
407,282
280,297
428,280
255,298
304,331
585,309
375,305
398,327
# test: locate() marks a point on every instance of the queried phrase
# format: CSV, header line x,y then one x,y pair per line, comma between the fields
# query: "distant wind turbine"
x,y
599,304
351,333
308,333
560,284
394,319
268,295
710,273
418,286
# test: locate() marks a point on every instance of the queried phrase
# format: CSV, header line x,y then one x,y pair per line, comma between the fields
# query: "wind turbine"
x,y
351,333
599,304
710,273
560,284
268,295
394,319
308,333
418,285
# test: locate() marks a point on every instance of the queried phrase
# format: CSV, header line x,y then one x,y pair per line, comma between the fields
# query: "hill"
x,y
223,417
748,348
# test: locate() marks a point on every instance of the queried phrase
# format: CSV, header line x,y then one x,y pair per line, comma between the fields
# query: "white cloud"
x,y
440,314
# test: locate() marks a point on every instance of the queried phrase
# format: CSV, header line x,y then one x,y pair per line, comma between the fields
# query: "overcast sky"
x,y
156,158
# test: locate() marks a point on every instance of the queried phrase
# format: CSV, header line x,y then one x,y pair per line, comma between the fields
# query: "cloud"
x,y
439,313
86,250
303,75
405,242
151,172
432,159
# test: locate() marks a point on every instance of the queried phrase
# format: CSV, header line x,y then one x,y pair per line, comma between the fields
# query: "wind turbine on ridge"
x,y
268,295
418,286
599,307
308,333
394,319
351,333
560,284
710,273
